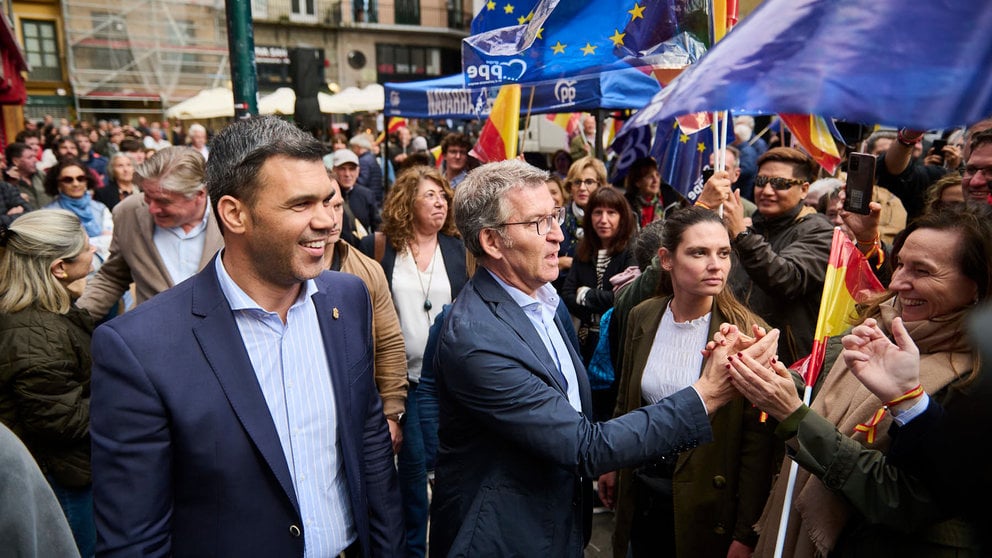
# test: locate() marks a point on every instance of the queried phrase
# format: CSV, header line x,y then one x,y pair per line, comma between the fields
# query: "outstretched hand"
x,y
887,369
769,386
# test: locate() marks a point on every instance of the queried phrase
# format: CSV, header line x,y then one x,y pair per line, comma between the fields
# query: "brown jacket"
x,y
719,488
134,258
390,352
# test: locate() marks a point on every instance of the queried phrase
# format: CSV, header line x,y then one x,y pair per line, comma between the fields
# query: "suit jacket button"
x,y
294,531
719,482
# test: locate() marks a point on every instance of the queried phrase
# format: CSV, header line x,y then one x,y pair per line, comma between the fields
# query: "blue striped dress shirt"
x,y
291,367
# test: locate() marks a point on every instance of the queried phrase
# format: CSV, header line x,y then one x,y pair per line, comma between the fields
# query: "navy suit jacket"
x,y
186,458
513,452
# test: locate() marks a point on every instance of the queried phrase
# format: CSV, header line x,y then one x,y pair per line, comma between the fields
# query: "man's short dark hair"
x,y
14,151
455,139
803,166
980,138
239,151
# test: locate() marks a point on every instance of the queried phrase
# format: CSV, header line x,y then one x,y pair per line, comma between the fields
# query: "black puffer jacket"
x,y
45,388
778,273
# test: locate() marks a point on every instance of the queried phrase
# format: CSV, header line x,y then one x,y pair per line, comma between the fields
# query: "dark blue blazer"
x,y
186,458
513,454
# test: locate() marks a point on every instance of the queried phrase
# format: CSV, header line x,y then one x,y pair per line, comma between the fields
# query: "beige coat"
x,y
134,258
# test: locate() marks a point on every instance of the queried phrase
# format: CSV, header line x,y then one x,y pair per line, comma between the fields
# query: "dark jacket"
x,y
361,204
778,273
45,395
597,301
10,197
370,175
452,252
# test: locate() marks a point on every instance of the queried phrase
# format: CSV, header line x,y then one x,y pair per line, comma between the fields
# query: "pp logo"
x,y
394,98
496,72
565,91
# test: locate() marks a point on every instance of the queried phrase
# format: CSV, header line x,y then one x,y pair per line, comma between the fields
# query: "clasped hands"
x,y
717,384
752,368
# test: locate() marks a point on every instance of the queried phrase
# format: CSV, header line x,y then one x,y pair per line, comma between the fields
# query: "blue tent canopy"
x,y
448,97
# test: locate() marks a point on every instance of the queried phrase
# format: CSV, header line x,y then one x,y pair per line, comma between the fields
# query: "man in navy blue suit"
x,y
236,414
516,445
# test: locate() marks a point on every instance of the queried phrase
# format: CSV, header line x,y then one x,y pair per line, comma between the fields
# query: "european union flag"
x,y
682,155
505,13
568,37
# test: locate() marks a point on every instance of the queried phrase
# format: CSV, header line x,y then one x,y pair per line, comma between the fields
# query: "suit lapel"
x,y
147,236
508,311
336,340
220,341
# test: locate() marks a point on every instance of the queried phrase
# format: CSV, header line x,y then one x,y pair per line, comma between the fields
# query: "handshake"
x,y
748,365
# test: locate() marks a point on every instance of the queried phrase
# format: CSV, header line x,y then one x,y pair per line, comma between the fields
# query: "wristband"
x,y
703,205
870,426
902,138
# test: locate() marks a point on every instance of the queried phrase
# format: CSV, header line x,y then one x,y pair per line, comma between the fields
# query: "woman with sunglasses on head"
x,y
71,184
702,502
45,356
607,227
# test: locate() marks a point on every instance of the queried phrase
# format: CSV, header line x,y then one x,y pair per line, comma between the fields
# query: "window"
x,y
42,50
304,11
365,11
408,12
259,9
405,63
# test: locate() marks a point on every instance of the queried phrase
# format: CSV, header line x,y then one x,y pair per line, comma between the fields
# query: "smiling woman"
x,y
71,184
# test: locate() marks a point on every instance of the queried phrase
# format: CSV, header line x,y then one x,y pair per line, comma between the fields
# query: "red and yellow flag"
x,y
499,136
395,123
568,121
813,133
849,281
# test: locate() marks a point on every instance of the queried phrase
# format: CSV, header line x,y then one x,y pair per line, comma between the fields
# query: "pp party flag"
x,y
816,134
569,38
628,149
499,136
682,147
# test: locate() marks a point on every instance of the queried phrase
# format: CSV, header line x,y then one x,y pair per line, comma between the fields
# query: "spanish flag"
x,y
849,281
568,121
816,135
499,136
395,123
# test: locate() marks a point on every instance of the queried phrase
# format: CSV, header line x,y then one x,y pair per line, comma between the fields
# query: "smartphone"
x,y
938,147
860,183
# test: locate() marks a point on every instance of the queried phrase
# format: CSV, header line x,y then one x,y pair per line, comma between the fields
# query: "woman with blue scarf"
x,y
71,183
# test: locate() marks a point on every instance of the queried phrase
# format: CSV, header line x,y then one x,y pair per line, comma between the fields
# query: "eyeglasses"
x,y
587,182
777,182
71,179
432,197
544,224
971,171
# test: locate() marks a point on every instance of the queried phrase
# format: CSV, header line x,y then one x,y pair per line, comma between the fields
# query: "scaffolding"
x,y
125,55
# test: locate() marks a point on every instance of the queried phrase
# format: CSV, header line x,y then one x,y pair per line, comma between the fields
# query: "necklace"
x,y
430,279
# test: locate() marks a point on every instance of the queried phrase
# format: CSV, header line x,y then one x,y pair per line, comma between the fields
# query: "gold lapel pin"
x,y
335,314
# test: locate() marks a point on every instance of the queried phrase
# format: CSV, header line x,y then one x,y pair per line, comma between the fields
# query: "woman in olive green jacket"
x,y
703,502
45,356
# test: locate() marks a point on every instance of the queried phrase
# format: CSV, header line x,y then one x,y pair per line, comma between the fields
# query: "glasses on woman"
x,y
777,182
71,179
544,224
587,182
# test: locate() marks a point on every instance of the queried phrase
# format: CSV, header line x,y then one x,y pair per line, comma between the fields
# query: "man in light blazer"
x,y
236,414
161,237
516,445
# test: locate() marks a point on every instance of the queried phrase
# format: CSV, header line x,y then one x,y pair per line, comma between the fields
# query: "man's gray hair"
x,y
480,200
238,152
177,169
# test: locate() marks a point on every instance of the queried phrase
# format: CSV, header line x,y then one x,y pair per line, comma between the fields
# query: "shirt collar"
x,y
545,302
238,299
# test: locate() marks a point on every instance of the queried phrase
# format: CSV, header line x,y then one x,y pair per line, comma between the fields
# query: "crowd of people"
x,y
260,344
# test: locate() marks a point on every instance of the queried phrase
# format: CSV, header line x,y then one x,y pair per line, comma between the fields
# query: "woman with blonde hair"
x,y
45,356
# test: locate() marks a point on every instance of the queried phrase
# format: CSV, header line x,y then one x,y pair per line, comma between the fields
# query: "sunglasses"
x,y
71,179
777,182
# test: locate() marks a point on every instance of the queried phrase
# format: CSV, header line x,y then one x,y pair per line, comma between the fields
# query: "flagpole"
x,y
783,522
520,138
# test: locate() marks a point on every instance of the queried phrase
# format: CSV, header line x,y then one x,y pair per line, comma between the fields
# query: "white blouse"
x,y
675,359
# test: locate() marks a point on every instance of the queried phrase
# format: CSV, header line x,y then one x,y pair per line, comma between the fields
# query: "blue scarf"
x,y
83,208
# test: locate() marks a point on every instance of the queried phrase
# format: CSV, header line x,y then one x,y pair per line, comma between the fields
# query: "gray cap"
x,y
341,157
361,140
419,143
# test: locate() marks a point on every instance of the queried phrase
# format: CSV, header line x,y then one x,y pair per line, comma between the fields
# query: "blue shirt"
x,y
290,363
541,313
182,251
